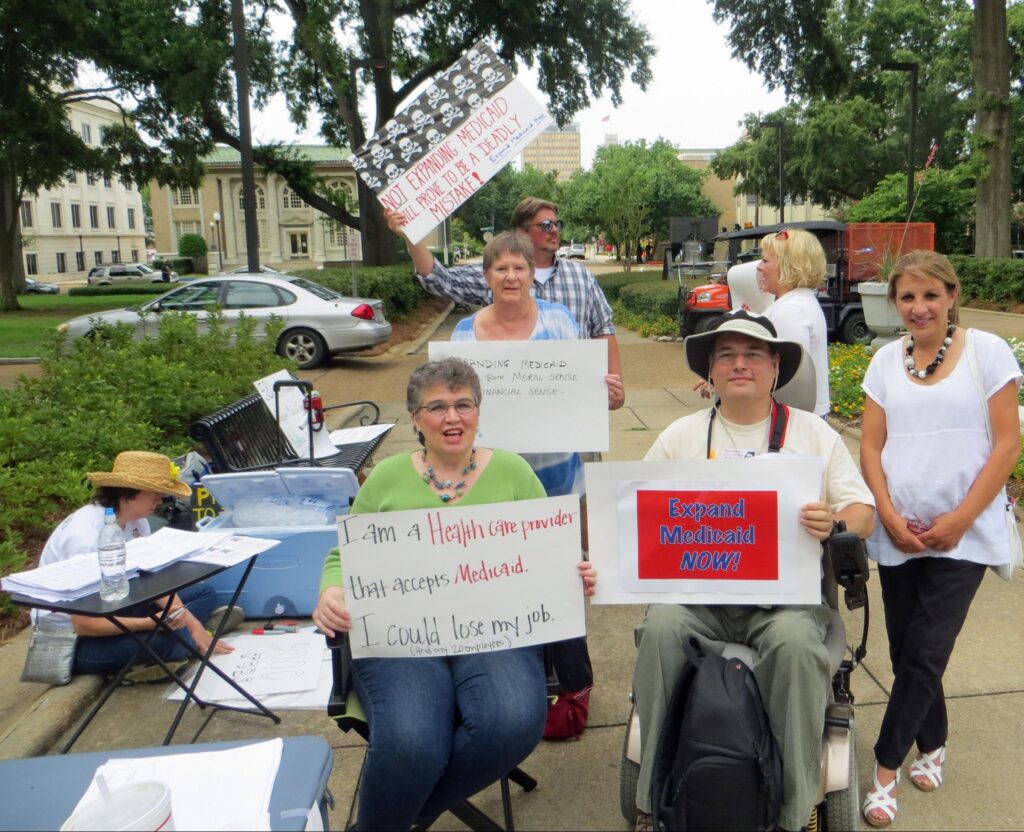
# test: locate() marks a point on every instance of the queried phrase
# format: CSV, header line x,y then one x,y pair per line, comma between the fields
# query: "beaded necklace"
x,y
431,477
940,356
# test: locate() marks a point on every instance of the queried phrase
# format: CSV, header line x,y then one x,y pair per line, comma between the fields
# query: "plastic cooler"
x,y
286,579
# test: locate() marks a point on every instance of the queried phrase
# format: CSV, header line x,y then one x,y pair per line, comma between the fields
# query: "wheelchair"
x,y
838,806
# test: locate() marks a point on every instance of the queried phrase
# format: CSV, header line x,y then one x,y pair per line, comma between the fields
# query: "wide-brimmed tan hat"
x,y
143,471
741,322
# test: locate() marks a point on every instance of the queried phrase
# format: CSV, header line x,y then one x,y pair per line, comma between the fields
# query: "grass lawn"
x,y
23,333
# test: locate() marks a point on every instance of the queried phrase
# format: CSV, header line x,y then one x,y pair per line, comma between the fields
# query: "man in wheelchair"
x,y
744,362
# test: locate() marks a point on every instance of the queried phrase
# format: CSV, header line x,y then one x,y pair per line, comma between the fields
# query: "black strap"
x,y
776,432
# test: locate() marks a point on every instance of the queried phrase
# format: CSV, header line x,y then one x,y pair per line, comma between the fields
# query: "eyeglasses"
x,y
729,357
782,235
463,407
547,226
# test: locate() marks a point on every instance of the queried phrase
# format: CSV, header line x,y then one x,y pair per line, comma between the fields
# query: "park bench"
x,y
245,436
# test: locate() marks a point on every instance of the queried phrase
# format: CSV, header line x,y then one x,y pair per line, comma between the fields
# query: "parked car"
x,y
318,321
245,270
578,251
563,251
125,273
34,287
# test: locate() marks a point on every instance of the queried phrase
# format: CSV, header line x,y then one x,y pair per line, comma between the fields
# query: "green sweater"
x,y
396,485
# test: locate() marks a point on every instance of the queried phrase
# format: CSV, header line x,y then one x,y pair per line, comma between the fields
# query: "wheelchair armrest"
x,y
848,556
341,667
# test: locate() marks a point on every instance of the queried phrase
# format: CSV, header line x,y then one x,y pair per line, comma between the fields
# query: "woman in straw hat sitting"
x,y
134,488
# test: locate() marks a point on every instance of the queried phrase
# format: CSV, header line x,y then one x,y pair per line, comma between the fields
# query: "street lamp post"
x,y
779,126
911,67
215,225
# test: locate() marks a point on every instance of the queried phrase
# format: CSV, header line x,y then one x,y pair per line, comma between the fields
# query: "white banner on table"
x,y
452,581
292,418
704,531
472,120
538,396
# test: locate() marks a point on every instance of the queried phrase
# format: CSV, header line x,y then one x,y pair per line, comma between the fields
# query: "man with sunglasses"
x,y
556,279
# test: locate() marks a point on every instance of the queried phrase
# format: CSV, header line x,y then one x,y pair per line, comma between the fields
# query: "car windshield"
x,y
144,269
321,292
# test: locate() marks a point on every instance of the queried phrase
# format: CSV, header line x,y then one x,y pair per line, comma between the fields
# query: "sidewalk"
x,y
579,781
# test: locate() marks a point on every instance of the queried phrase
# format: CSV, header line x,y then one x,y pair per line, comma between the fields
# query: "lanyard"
x,y
776,430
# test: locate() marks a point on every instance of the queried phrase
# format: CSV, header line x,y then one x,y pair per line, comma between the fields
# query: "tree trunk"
x,y
380,246
990,52
12,267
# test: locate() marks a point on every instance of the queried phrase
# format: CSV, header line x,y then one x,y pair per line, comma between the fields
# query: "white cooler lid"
x,y
337,485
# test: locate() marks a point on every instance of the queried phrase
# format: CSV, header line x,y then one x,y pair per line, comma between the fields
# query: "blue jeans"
x,y
442,729
108,654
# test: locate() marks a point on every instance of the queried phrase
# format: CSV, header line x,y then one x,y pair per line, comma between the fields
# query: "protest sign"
x,y
704,531
538,396
459,580
473,119
289,408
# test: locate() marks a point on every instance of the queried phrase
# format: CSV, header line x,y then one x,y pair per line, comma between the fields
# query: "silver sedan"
x,y
318,321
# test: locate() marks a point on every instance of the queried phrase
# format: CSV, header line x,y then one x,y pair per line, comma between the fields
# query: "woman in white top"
x,y
792,266
938,485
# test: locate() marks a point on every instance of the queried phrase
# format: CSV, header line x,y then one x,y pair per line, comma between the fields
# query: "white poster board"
x,y
472,120
451,581
704,531
538,396
292,417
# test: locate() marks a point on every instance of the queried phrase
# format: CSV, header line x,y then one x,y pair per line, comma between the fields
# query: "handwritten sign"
x,y
704,531
538,396
453,581
471,121
266,665
292,417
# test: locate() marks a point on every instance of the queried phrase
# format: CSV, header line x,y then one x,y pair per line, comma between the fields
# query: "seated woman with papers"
x,y
133,489
441,728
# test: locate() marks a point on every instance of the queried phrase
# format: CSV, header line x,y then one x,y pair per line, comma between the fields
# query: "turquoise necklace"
x,y
431,477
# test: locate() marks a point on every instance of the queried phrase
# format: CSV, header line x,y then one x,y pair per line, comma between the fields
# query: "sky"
x,y
697,98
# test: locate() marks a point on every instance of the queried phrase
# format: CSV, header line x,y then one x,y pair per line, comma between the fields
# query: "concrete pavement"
x,y
579,780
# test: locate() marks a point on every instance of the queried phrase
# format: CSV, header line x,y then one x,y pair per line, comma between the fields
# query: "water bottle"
x,y
112,552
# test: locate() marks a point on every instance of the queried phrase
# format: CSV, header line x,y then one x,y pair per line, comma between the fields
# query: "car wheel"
x,y
706,323
303,346
855,330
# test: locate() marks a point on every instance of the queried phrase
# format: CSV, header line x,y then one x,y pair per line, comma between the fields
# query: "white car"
x,y
245,270
563,251
125,273
318,321
576,250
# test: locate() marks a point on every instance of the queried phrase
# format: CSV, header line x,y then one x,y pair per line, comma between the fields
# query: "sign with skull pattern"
x,y
431,157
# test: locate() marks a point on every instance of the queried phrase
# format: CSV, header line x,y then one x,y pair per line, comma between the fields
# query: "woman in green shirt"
x,y
441,729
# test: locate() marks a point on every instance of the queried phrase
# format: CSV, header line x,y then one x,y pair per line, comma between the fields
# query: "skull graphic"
x,y
435,94
462,84
474,101
408,147
371,181
392,171
450,114
420,119
380,155
358,162
476,59
395,129
434,138
491,78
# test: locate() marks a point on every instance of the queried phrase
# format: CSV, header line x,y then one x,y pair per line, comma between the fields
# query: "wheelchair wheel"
x,y
629,773
842,809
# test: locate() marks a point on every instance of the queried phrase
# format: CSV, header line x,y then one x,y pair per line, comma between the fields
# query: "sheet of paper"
x,y
167,546
292,417
66,580
365,433
209,789
227,550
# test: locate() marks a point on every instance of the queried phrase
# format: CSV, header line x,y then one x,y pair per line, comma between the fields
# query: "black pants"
x,y
926,602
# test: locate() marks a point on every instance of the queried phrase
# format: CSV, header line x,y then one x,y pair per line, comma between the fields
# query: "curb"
x,y
412,347
14,361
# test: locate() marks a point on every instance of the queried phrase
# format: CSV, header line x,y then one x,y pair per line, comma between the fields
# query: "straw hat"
x,y
143,471
698,347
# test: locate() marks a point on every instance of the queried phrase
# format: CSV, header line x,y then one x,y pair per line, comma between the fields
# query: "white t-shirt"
x,y
936,444
542,276
79,533
806,435
797,316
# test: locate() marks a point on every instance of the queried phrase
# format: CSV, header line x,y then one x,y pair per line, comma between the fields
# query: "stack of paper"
x,y
227,549
167,546
66,580
348,436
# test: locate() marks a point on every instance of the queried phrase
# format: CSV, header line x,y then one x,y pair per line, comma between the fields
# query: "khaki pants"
x,y
791,668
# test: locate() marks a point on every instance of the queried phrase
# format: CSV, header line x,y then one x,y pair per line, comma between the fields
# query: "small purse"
x,y
51,655
1003,570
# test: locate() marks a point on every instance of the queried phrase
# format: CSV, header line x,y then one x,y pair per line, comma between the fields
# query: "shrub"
x,y
99,396
120,289
998,279
396,286
612,283
643,326
181,265
847,364
1017,346
191,245
651,299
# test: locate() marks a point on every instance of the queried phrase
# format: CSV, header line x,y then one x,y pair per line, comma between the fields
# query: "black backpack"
x,y
717,766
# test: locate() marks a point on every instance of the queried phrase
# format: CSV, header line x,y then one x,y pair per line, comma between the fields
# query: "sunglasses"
x,y
547,226
782,235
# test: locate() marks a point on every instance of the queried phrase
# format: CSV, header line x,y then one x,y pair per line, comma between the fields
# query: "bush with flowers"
x,y
847,364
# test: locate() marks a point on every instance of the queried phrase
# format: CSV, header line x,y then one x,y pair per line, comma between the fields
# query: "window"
x,y
186,196
76,215
86,133
55,215
62,262
244,295
195,297
186,227
97,257
131,218
135,255
290,199
127,184
798,199
31,265
337,233
90,179
115,255
107,183
72,178
80,261
261,200
26,214
751,199
110,216
94,216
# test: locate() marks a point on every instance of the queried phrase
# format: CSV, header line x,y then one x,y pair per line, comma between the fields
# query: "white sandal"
x,y
881,797
926,771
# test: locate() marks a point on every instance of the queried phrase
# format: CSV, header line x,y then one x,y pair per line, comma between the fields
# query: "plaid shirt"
x,y
571,284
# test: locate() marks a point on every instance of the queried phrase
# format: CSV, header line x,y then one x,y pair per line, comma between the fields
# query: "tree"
x,y
491,206
191,245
